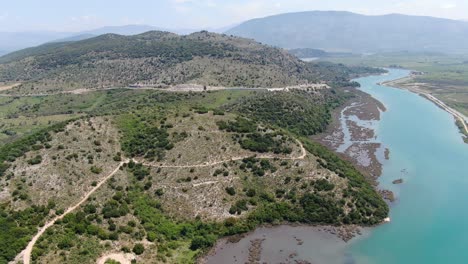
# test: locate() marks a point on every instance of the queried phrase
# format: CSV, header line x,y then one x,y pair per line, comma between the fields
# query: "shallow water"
x,y
284,244
430,218
347,139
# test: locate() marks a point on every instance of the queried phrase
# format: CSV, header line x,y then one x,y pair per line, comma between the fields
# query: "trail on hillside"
x,y
26,253
209,164
8,86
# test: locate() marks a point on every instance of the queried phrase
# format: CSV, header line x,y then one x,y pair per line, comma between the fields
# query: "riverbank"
x,y
408,84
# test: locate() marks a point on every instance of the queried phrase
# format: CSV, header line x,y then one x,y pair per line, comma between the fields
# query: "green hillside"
x,y
157,59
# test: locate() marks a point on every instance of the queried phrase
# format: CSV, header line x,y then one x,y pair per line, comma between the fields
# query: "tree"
x,y
138,249
199,242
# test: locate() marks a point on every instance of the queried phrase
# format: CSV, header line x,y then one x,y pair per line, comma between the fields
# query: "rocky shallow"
x,y
283,244
352,134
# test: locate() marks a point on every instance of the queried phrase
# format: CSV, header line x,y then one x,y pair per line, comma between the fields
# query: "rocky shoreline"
x,y
361,147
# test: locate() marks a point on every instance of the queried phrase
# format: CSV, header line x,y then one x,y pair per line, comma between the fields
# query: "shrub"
x,y
36,160
96,170
138,249
231,191
201,242
323,185
251,192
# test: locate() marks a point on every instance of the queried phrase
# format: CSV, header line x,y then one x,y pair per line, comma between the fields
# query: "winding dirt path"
x,y
8,86
26,253
209,164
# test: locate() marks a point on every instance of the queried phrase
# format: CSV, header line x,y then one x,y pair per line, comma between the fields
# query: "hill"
x,y
349,32
161,176
14,41
156,59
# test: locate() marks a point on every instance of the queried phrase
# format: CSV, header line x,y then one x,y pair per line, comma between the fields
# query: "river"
x,y
430,217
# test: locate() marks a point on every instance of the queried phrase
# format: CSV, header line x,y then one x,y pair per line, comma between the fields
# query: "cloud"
x,y
448,6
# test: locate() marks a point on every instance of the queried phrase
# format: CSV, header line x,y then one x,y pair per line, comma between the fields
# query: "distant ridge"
x,y
350,32
157,59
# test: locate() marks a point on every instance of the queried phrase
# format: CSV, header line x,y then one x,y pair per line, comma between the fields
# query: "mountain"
x,y
155,58
13,41
349,32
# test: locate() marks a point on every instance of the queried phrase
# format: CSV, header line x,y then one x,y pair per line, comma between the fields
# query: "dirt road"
x,y
8,86
25,255
209,164
455,113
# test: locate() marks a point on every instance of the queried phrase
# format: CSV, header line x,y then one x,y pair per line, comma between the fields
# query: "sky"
x,y
78,15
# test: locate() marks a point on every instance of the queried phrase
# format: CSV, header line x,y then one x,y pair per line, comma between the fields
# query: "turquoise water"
x,y
430,219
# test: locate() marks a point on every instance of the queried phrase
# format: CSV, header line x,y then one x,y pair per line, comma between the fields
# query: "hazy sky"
x,y
75,15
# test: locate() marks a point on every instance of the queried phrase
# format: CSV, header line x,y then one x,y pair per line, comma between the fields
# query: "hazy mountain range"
x,y
349,32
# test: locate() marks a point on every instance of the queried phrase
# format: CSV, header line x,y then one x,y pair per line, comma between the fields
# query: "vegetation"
x,y
10,152
144,139
241,125
135,204
368,201
300,112
17,228
156,59
265,143
138,249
